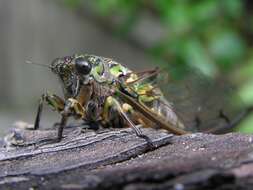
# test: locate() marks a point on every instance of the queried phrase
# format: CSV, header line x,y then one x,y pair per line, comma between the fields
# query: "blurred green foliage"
x,y
204,34
213,36
72,3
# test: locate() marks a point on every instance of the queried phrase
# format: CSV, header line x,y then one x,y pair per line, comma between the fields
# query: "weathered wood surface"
x,y
118,159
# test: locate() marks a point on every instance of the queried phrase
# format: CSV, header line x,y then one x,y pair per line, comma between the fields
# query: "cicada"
x,y
102,91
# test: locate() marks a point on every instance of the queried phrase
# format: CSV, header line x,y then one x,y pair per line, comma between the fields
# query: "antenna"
x,y
40,64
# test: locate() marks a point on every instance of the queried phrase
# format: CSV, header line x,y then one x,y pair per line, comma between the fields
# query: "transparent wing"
x,y
199,102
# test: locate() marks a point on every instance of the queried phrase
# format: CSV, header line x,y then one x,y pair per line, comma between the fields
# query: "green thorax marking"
x,y
118,70
105,69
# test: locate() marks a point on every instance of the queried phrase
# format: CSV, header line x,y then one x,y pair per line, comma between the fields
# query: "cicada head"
x,y
76,64
72,70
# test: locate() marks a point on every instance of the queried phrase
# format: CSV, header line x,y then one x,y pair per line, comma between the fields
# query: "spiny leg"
x,y
72,107
53,100
40,107
61,127
113,103
92,115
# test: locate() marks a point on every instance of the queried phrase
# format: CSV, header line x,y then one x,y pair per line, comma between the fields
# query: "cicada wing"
x,y
195,100
201,102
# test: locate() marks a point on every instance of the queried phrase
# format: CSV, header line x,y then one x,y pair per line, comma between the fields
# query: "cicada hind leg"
x,y
112,108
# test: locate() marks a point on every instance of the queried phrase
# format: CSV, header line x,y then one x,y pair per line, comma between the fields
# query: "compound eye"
x,y
82,66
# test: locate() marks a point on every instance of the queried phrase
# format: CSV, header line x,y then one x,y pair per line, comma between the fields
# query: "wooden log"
x,y
118,159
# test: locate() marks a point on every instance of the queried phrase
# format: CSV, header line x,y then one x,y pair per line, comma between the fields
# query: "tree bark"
x,y
118,159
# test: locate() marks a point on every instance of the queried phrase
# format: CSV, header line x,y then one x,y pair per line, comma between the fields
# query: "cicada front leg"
x,y
70,107
51,99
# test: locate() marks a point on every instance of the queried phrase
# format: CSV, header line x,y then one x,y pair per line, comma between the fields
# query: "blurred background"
x,y
212,37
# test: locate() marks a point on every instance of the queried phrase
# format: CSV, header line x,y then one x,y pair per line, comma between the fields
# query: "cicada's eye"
x,y
82,66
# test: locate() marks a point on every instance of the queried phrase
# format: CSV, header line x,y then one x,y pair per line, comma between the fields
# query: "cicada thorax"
x,y
105,77
105,70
